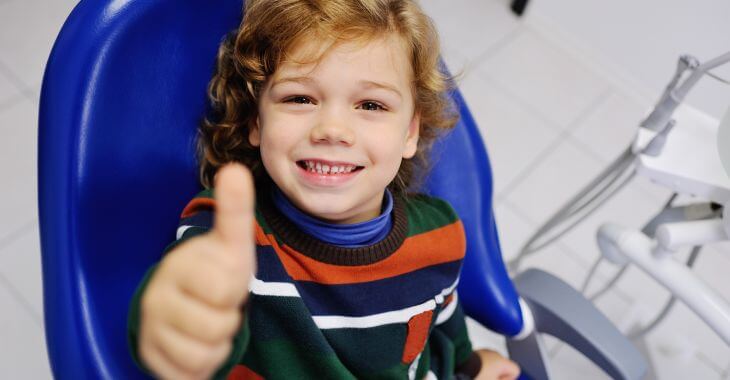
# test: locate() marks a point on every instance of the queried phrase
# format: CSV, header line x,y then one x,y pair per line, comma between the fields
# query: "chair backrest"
x,y
123,92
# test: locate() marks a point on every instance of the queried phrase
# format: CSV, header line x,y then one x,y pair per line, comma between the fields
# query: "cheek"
x,y
278,135
387,144
388,158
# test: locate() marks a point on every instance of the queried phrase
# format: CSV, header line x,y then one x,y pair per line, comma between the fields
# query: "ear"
x,y
411,145
254,133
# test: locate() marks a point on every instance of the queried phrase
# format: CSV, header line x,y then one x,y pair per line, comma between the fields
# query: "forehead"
x,y
384,57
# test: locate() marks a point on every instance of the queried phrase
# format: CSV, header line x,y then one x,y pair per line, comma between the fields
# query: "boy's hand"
x,y
496,367
191,308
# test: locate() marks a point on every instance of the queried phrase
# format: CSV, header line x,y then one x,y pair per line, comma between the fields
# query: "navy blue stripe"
x,y
379,296
199,219
268,266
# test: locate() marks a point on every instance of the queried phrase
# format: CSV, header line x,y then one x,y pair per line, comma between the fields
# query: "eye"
x,y
372,106
298,99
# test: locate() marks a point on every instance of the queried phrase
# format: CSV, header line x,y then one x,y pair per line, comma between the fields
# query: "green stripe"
x,y
427,214
369,350
285,359
262,222
442,361
207,193
455,329
399,371
274,318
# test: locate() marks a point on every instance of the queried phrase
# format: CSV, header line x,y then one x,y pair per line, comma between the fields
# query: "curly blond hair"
x,y
271,28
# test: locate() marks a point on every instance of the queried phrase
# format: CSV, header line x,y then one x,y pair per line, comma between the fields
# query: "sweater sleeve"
x,y
195,220
453,341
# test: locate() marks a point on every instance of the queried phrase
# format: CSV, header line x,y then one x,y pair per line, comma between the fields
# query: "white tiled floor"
x,y
550,121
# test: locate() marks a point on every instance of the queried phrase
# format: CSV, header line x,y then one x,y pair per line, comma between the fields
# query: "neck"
x,y
346,235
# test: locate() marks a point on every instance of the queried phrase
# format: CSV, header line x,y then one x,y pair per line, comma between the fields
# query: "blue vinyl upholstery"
x,y
122,96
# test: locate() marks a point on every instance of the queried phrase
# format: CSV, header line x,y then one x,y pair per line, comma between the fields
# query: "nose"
x,y
333,128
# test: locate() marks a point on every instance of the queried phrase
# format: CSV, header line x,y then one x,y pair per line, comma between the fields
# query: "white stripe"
x,y
280,289
414,367
447,291
446,313
285,289
181,230
431,376
396,316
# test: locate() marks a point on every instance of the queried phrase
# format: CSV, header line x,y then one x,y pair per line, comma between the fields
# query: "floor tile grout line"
x,y
487,75
18,83
564,248
702,357
529,168
570,128
520,102
563,133
498,45
18,233
15,293
12,102
551,147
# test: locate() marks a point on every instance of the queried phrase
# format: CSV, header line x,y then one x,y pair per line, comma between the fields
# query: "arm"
x,y
239,343
564,313
451,331
185,320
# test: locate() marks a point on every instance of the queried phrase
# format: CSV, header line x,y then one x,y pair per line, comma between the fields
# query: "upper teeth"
x,y
318,167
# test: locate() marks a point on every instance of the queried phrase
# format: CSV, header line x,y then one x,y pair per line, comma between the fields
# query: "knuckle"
x,y
225,327
220,290
209,331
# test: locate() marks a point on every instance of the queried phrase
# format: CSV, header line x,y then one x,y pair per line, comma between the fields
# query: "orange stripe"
x,y
448,299
418,327
196,205
260,235
438,246
241,372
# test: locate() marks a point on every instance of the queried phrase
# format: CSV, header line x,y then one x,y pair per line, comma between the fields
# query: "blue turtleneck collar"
x,y
344,235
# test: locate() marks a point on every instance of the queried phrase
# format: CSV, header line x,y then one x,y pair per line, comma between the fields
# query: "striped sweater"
x,y
384,311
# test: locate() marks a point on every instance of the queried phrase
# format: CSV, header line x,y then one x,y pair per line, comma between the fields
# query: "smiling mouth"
x,y
319,167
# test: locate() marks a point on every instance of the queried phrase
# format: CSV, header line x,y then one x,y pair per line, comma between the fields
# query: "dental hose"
x,y
582,205
590,198
649,230
617,175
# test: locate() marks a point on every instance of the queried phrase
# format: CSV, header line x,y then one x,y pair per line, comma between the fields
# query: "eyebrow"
x,y
364,83
385,86
302,79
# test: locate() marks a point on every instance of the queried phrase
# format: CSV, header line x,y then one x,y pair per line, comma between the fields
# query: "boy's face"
x,y
352,110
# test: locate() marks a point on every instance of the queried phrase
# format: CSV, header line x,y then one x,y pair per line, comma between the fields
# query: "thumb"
x,y
234,213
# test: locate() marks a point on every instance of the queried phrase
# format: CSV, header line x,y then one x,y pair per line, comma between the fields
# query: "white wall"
x,y
642,39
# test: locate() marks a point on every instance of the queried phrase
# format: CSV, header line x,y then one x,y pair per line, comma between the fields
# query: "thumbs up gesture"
x,y
191,308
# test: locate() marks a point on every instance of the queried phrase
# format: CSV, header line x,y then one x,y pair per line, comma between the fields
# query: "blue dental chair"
x,y
123,92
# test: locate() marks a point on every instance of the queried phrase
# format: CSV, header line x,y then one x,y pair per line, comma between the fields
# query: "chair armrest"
x,y
562,312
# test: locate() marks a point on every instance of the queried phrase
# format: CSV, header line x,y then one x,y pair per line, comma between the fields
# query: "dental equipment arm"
x,y
564,313
622,245
675,93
